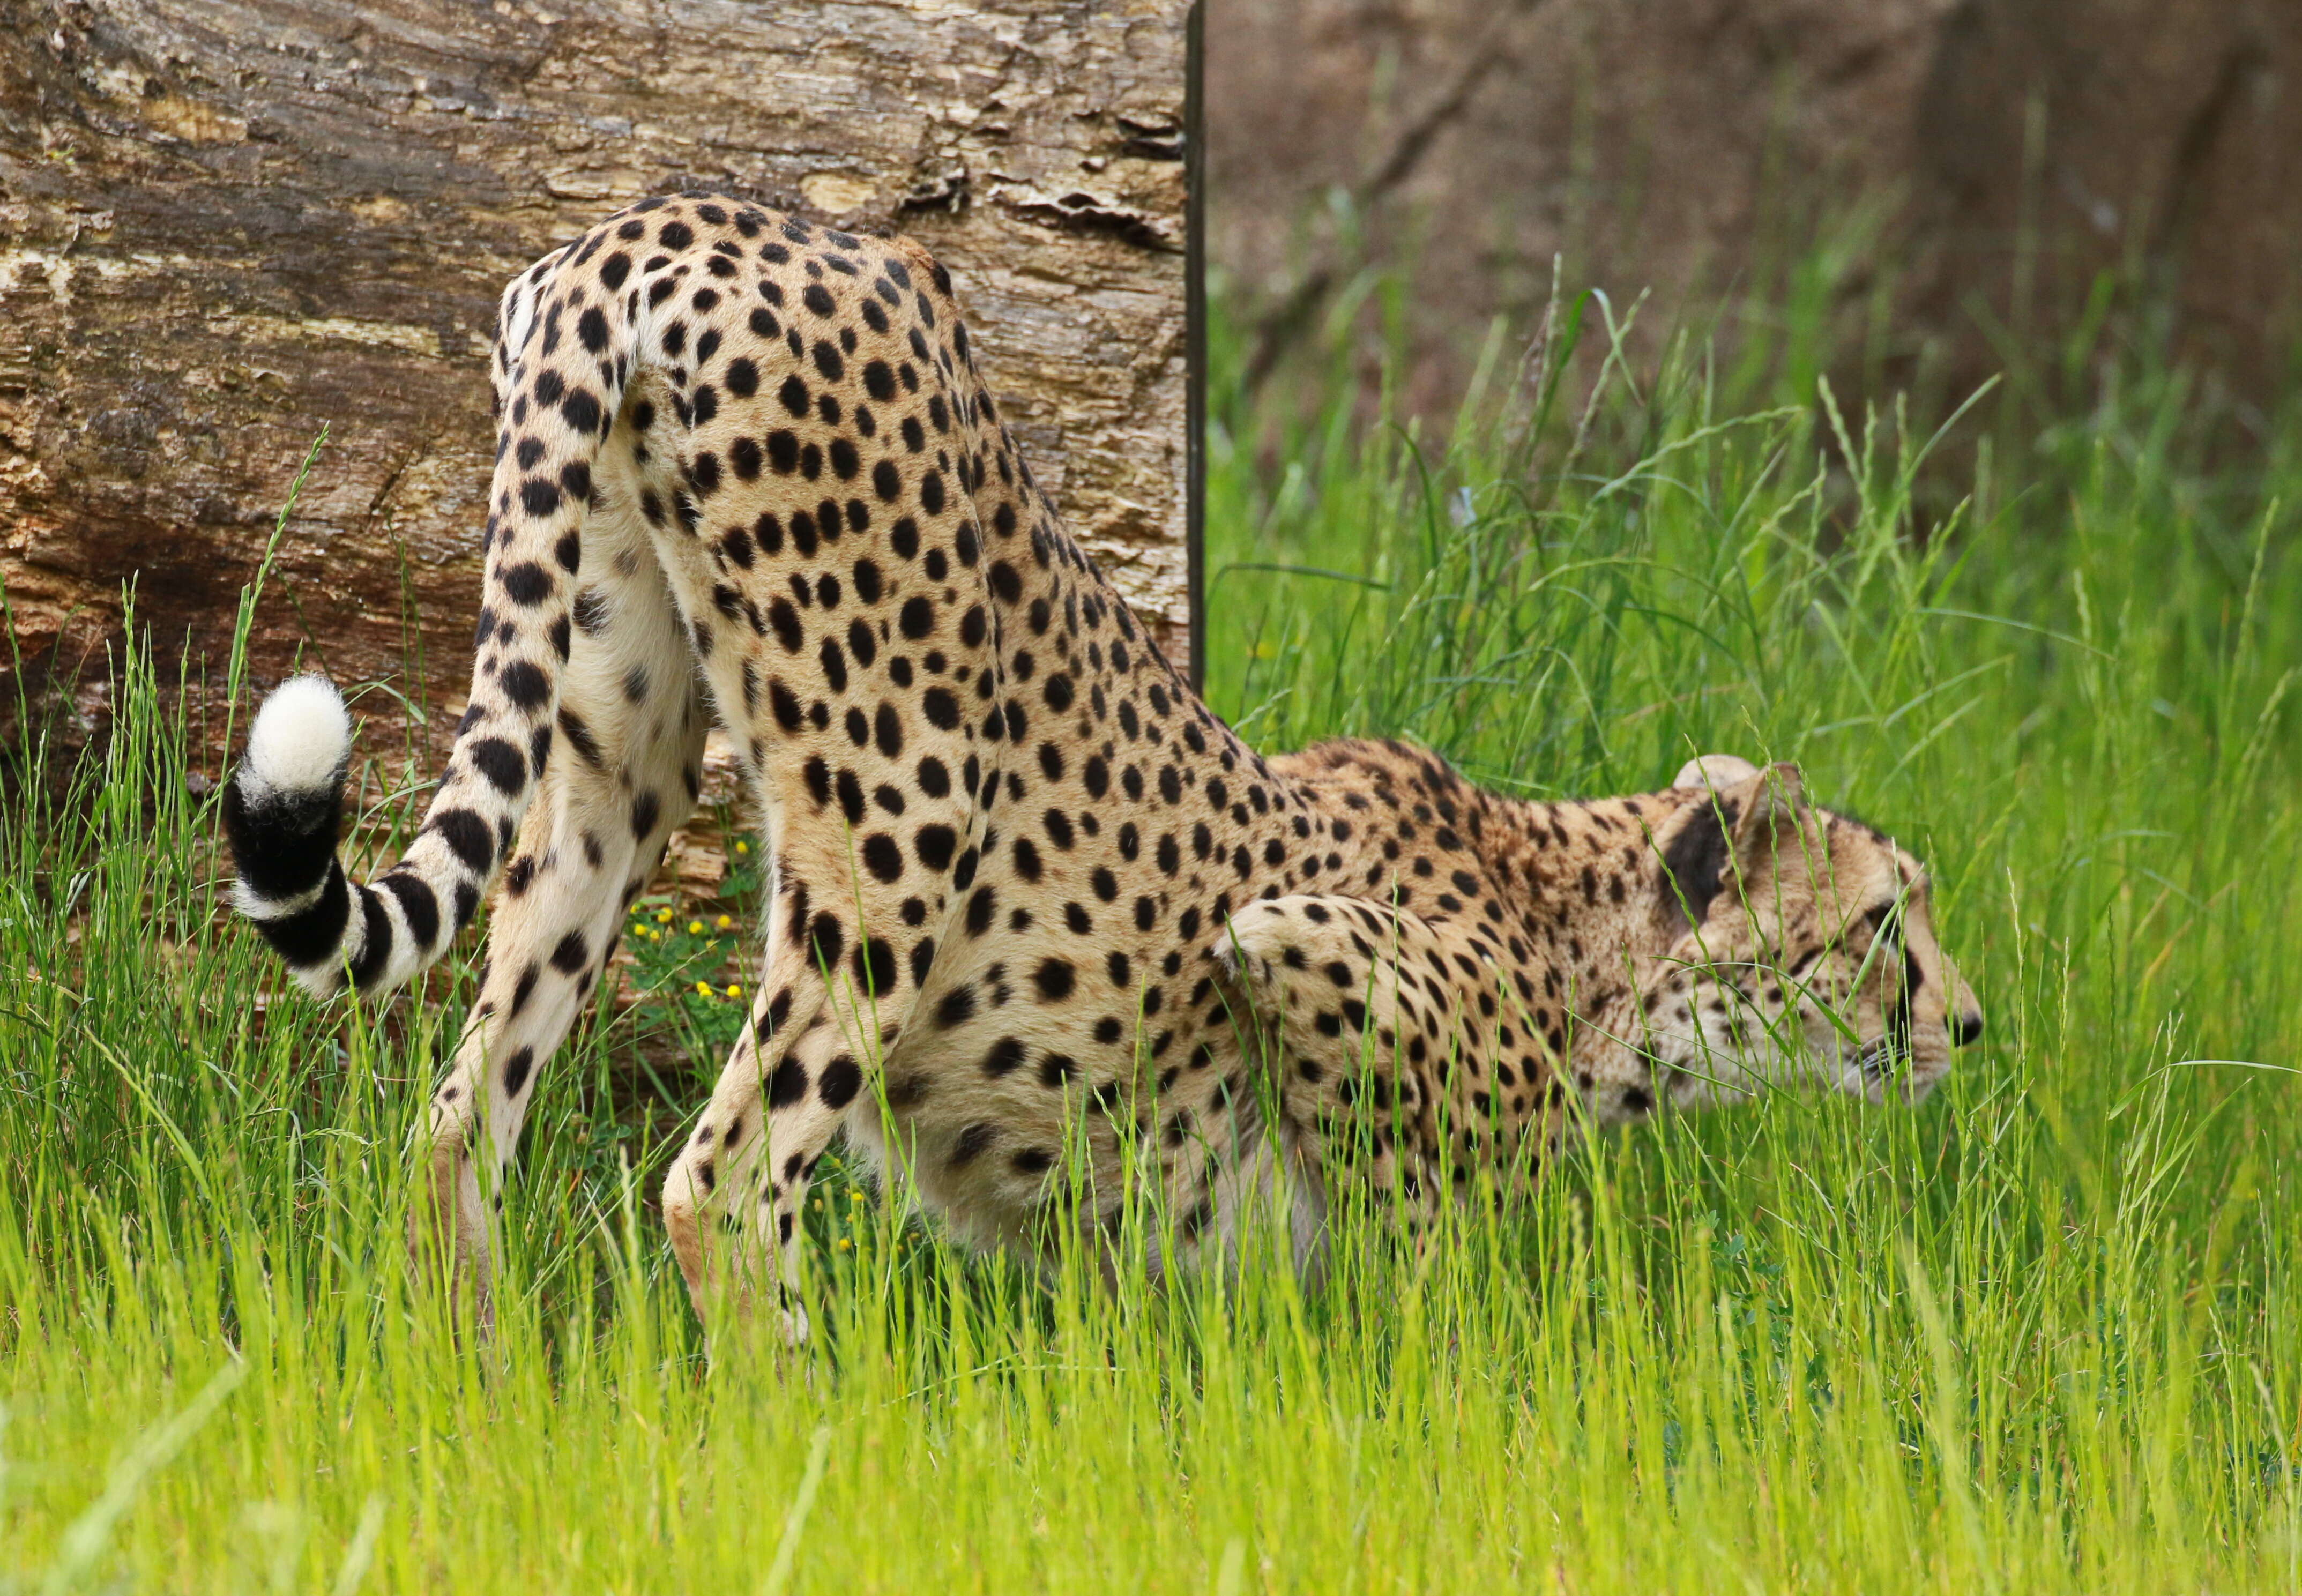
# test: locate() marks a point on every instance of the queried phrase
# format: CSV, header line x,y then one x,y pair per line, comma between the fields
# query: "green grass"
x,y
2043,1333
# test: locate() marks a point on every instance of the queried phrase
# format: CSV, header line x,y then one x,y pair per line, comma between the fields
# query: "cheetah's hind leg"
x,y
624,772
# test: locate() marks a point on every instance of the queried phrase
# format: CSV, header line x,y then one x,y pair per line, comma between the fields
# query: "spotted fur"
x,y
1030,899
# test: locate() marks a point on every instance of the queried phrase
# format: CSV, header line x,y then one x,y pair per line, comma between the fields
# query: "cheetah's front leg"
x,y
1400,1055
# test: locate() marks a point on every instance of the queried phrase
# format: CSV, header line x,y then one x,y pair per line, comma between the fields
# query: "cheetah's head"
x,y
1804,951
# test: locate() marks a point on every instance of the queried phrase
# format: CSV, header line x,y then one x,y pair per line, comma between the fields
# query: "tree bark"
x,y
224,222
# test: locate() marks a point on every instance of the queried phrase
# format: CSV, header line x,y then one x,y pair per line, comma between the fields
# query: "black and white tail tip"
x,y
283,814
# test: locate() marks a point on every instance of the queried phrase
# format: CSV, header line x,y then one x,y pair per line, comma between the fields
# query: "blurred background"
x,y
1904,195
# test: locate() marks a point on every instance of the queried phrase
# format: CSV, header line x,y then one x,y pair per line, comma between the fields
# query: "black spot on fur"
x,y
375,948
504,766
417,905
468,838
972,1144
526,583
525,685
882,857
840,1081
572,954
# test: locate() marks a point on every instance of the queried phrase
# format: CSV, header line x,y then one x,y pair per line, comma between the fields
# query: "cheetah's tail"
x,y
285,805
281,812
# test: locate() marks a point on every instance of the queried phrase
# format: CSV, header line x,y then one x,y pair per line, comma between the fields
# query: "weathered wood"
x,y
223,222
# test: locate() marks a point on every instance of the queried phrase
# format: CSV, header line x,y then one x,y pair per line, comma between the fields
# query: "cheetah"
x,y
1030,907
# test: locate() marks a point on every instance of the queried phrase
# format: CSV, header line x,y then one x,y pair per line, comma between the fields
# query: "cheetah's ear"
x,y
1739,826
1764,804
1716,771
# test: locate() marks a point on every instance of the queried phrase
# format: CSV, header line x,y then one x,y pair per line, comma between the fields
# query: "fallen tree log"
x,y
226,222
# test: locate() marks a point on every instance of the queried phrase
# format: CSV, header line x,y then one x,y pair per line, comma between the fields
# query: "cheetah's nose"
x,y
1967,1030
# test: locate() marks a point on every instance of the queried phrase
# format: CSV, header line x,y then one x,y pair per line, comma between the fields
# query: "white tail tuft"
x,y
301,741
